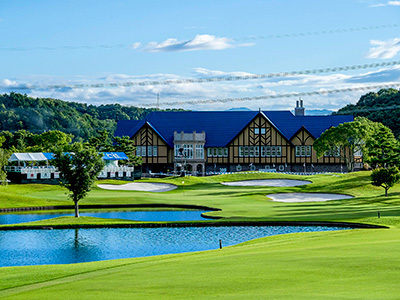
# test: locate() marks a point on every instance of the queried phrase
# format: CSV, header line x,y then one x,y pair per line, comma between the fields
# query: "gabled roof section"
x,y
128,127
289,124
222,126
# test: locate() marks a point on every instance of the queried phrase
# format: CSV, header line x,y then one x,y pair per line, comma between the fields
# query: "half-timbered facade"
x,y
232,141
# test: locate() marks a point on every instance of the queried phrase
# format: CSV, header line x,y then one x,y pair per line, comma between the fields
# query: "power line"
x,y
348,111
287,95
248,38
322,32
205,80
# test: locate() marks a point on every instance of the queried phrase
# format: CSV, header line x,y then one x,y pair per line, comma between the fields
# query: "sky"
x,y
181,52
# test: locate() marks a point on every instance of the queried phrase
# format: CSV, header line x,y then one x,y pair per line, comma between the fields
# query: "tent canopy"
x,y
50,156
27,157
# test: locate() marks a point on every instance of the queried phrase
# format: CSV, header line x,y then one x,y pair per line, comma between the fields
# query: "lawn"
x,y
351,264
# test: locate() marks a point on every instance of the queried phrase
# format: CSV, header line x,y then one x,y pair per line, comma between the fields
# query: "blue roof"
x,y
114,156
221,127
48,155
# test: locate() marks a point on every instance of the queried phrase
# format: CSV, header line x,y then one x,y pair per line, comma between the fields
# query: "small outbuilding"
x,y
37,168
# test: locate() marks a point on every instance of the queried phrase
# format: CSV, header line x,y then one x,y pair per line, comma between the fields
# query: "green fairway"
x,y
354,264
234,202
351,264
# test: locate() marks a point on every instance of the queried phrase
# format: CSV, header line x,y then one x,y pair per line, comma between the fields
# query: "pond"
x,y
65,246
147,215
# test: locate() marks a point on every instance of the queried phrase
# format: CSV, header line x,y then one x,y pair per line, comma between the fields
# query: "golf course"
x,y
344,264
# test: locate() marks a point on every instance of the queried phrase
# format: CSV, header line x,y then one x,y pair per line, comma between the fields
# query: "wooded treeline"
x,y
382,106
38,115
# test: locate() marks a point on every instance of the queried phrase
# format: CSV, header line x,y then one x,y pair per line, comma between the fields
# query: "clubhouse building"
x,y
232,141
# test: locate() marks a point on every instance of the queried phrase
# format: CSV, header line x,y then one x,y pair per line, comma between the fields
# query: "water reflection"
x,y
35,247
151,216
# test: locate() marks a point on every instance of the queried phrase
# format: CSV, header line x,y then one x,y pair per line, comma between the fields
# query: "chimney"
x,y
299,109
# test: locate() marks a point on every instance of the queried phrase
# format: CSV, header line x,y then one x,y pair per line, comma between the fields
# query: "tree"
x,y
102,141
382,106
126,145
4,155
382,149
385,178
349,137
50,141
78,170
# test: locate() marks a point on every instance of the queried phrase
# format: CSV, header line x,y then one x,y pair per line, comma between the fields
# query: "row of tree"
x,y
373,141
37,115
382,106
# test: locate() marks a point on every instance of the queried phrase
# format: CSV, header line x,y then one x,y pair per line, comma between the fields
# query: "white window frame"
x,y
199,151
273,151
225,151
256,151
246,151
303,151
215,152
251,151
262,151
188,151
176,149
278,151
141,150
241,151
155,150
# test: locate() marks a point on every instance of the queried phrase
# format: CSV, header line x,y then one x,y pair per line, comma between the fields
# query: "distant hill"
x,y
318,112
37,115
383,106
239,109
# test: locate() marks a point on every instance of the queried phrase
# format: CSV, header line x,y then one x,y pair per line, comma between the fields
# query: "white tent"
x,y
27,157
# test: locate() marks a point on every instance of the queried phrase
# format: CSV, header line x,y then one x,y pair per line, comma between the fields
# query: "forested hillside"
x,y
37,115
383,106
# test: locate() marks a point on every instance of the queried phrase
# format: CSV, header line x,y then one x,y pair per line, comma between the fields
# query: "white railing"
x,y
26,170
118,169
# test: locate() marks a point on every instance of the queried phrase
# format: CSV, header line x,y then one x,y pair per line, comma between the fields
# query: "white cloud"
x,y
199,42
215,73
138,95
389,3
384,49
8,83
136,45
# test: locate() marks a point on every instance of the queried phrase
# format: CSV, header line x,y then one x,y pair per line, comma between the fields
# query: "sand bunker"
x,y
306,197
268,182
140,186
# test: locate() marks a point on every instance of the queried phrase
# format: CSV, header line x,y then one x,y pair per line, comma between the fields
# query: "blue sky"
x,y
95,42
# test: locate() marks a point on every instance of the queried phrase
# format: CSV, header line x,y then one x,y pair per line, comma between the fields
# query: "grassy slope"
x,y
356,264
235,202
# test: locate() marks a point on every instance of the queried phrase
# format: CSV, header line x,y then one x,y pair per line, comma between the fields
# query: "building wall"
x,y
253,135
148,137
258,133
304,138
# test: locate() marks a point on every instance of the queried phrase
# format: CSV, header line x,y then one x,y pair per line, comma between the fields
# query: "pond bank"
x,y
101,206
192,224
